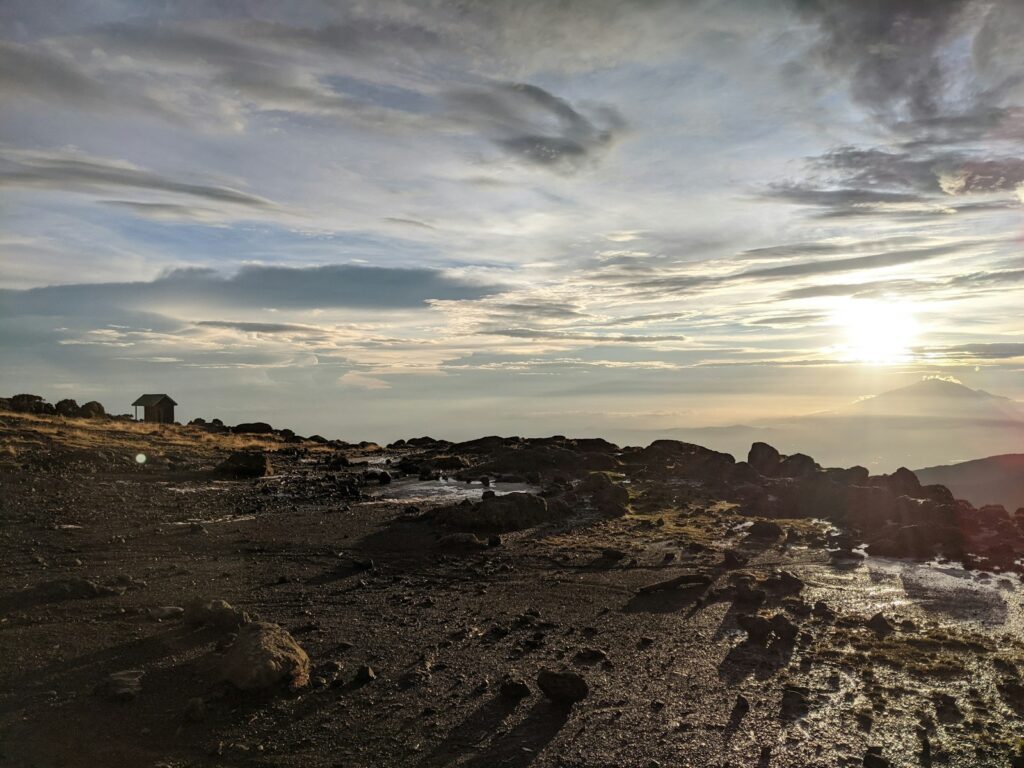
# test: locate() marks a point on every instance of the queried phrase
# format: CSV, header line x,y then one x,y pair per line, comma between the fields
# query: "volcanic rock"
x,y
245,464
265,655
563,686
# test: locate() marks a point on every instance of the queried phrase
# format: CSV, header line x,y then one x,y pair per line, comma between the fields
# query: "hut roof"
x,y
150,400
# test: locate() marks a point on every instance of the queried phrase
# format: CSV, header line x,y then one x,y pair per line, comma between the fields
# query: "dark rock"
x,y
562,687
880,625
67,407
253,428
765,529
92,410
245,464
365,674
764,458
797,466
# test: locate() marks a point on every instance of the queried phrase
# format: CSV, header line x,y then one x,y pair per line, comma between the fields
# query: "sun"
x,y
879,332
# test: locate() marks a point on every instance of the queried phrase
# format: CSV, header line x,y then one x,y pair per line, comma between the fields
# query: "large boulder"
x,y
764,458
67,407
510,512
245,464
798,465
92,410
253,428
264,656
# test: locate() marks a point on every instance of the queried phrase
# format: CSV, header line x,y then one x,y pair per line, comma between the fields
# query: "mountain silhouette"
x,y
931,422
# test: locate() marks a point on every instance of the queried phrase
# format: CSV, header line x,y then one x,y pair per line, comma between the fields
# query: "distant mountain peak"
x,y
933,386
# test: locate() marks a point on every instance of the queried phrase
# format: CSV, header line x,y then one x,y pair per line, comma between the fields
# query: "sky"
x,y
387,219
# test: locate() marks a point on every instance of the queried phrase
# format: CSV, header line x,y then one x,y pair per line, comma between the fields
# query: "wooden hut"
x,y
158,409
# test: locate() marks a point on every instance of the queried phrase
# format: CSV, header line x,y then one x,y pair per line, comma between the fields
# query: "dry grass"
x,y
21,432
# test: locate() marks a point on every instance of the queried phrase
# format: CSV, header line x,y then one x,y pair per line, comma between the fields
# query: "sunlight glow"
x,y
879,332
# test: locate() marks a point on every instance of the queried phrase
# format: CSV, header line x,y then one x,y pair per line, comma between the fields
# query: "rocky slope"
x,y
499,602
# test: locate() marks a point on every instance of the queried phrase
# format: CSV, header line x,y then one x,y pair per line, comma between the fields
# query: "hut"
x,y
158,409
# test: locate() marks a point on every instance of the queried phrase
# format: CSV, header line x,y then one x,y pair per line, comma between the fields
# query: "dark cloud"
x,y
254,287
536,126
71,171
898,57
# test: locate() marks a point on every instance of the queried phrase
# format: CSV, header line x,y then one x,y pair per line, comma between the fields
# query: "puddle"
x,y
412,490
941,592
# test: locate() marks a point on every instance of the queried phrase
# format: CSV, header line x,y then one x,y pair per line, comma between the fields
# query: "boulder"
x,y
264,656
67,407
764,458
253,428
562,686
797,466
511,512
245,464
92,410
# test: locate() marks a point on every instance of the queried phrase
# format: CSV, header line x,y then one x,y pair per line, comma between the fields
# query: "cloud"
x,y
537,127
68,170
905,62
247,327
256,287
35,73
359,380
999,350
568,335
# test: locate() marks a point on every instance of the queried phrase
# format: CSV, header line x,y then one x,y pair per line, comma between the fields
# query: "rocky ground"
x,y
502,602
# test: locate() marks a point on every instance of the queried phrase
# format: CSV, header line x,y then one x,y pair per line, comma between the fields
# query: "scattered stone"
x,y
265,655
562,687
880,625
365,674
